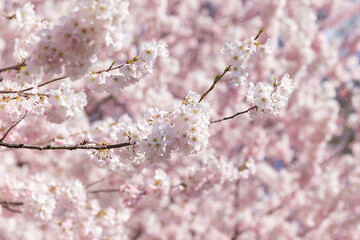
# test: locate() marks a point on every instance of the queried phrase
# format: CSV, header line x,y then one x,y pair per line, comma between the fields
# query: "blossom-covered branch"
x,y
14,67
7,132
216,80
64,147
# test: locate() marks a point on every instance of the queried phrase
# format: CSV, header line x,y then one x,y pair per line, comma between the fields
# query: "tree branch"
x,y
259,33
7,132
63,147
14,67
6,205
11,203
11,210
138,233
105,190
96,182
30,88
217,78
18,66
231,117
9,17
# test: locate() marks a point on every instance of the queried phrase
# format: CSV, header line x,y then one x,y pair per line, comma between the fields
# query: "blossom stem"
x,y
217,78
259,33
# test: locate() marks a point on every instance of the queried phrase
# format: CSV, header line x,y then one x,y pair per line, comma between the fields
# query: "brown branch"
x,y
6,205
235,235
45,83
40,85
105,190
138,233
217,78
11,210
59,78
7,132
274,209
63,147
110,68
9,17
120,66
231,117
96,182
14,67
11,203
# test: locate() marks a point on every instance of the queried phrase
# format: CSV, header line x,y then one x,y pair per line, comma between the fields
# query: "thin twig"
x,y
63,147
227,69
259,33
120,66
59,78
231,117
110,69
7,132
30,88
96,182
105,190
45,83
217,78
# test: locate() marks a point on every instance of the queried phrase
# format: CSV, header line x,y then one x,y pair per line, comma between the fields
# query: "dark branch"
x,y
59,78
45,83
11,203
40,85
7,132
14,67
9,17
231,117
138,233
6,205
11,210
96,182
63,147
105,190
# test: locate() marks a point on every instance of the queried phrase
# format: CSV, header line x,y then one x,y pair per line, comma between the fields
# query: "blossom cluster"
x,y
267,99
183,129
64,103
240,52
72,46
57,105
46,198
130,72
13,107
188,170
